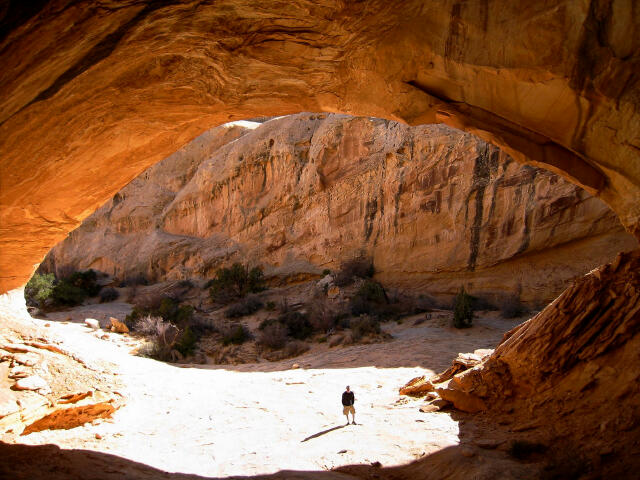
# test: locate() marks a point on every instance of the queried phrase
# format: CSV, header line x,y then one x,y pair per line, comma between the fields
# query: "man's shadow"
x,y
324,432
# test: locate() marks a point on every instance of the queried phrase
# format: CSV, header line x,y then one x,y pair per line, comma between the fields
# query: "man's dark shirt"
x,y
348,398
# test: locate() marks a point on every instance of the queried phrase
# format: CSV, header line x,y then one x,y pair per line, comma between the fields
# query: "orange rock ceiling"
x,y
93,92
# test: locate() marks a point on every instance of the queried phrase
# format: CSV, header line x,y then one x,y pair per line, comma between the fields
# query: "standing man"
x,y
348,399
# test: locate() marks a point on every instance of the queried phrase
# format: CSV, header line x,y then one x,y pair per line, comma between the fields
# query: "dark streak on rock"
x,y
528,215
101,51
369,216
481,176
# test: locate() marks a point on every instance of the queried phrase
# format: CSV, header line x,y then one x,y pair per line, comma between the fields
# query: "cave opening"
x,y
93,93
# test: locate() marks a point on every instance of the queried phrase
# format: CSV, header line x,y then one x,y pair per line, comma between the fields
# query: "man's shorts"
x,y
348,409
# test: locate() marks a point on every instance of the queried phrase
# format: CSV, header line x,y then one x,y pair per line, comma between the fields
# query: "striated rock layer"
x,y
434,208
94,92
570,374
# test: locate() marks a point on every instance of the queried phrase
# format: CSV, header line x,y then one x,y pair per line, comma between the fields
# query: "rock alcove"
x,y
93,92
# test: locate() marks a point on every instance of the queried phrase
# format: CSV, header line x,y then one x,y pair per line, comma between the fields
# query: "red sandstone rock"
x,y
417,387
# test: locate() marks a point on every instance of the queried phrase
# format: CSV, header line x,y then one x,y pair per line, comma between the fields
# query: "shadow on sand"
x,y
466,460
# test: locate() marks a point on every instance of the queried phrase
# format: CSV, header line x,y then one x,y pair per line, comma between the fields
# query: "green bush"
x,y
364,325
298,325
131,319
39,288
167,308
326,272
185,283
187,341
65,293
86,280
462,310
108,294
270,306
359,267
272,334
368,299
233,283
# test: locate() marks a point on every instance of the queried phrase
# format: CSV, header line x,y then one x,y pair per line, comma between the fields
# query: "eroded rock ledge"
x,y
569,375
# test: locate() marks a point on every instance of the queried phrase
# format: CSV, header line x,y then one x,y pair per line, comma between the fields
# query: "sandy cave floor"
x,y
262,418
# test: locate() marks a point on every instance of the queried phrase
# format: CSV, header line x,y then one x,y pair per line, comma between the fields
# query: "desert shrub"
x,y
167,309
364,325
321,316
75,288
326,272
235,334
86,280
372,291
272,334
298,325
368,299
65,293
246,306
39,288
295,348
184,315
163,335
358,267
185,283
132,318
462,310
187,341
232,283
270,306
512,307
108,294
164,307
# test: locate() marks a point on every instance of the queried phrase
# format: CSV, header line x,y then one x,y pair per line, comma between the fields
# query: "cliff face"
x,y
433,206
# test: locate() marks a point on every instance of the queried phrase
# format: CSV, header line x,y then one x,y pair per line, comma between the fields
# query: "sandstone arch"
x,y
94,92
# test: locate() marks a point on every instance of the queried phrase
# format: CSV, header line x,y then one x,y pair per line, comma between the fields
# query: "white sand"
x,y
258,418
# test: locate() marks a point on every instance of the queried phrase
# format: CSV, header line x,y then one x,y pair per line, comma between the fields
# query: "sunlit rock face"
x,y
558,374
92,93
434,207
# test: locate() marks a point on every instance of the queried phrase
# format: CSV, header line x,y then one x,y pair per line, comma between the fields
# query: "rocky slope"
x,y
434,208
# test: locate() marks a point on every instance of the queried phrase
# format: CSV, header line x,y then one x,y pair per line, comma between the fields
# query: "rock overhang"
x,y
85,109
